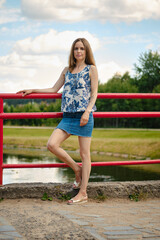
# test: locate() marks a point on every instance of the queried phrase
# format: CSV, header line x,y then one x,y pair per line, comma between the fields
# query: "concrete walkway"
x,y
7,231
23,215
113,219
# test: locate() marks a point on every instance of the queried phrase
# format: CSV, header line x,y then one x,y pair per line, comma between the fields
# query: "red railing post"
x,y
1,142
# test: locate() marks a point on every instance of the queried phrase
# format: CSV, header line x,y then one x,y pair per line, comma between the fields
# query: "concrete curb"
x,y
140,189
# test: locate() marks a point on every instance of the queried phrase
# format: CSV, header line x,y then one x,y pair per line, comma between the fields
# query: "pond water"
x,y
63,175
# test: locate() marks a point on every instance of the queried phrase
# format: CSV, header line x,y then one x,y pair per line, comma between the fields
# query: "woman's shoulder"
x,y
65,69
93,69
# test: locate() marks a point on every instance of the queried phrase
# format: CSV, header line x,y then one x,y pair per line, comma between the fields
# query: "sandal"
x,y
76,185
79,201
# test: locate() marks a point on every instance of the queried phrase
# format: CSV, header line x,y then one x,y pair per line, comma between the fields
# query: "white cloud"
x,y
149,46
16,73
56,10
22,74
108,10
54,41
24,61
28,71
4,29
109,69
9,15
38,62
131,38
1,3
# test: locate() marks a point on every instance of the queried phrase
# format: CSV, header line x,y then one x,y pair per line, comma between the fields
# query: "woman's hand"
x,y
25,92
84,119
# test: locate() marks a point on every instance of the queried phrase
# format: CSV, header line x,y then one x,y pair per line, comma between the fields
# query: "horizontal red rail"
x,y
100,95
94,164
129,95
95,114
31,115
30,96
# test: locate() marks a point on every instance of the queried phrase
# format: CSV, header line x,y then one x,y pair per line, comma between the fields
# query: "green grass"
x,y
27,132
132,142
97,133
123,141
126,133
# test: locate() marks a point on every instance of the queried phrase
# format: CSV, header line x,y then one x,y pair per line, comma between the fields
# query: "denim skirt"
x,y
70,123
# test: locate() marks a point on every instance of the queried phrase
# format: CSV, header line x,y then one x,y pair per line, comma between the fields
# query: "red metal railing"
x,y
59,115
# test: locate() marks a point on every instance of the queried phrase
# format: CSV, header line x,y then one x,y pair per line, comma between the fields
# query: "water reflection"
x,y
32,174
62,175
122,173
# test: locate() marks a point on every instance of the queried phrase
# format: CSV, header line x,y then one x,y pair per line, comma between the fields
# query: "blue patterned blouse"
x,y
77,91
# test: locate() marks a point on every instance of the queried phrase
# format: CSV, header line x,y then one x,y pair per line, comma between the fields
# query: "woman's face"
x,y
79,51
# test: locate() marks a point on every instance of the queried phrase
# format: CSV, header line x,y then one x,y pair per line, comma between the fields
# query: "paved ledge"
x,y
140,189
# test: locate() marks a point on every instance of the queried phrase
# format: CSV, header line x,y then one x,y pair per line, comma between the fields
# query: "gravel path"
x,y
113,219
34,219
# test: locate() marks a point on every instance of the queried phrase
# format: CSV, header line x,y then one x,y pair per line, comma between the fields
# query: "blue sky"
x,y
36,36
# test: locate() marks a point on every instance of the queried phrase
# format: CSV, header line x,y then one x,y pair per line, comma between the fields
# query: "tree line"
x,y
146,80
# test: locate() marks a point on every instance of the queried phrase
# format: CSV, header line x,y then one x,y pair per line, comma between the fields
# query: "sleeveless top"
x,y
76,91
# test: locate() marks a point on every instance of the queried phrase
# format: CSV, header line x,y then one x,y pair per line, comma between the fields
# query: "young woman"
x,y
80,82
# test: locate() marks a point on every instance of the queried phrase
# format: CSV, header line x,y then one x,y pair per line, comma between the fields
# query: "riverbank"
x,y
125,143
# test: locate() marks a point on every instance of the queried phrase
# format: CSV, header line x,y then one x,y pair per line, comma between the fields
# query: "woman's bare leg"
x,y
56,139
84,144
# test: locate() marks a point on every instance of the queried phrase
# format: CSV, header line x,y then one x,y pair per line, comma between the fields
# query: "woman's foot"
x,y
78,176
76,185
78,199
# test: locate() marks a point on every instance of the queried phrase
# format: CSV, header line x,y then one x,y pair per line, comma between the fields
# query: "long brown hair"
x,y
89,54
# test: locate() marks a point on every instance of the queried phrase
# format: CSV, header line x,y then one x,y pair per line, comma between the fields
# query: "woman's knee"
x,y
85,155
56,139
51,146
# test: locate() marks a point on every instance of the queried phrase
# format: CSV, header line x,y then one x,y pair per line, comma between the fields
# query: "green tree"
x,y
148,71
117,84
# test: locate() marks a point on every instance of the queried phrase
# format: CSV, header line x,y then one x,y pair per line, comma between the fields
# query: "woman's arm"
x,y
94,89
54,89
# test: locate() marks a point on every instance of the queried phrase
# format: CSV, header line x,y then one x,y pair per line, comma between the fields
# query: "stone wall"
x,y
100,190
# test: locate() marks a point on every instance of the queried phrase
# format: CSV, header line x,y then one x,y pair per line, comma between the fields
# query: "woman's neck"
x,y
80,65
